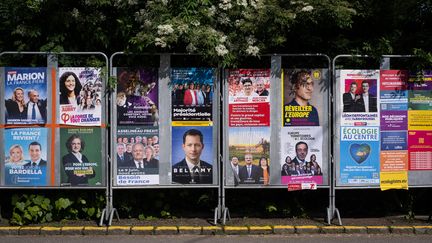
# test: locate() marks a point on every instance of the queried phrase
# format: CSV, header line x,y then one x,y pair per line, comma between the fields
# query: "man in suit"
x,y
122,157
35,151
351,99
301,153
368,103
236,169
250,173
138,161
36,109
192,170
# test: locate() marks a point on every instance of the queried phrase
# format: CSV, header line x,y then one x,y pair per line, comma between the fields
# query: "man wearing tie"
x,y
301,153
236,169
36,109
122,157
250,173
35,151
137,162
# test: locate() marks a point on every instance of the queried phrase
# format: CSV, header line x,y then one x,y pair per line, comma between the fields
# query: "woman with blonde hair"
x,y
16,156
16,107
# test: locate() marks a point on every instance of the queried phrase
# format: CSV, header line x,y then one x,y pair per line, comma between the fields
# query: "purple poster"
x,y
394,120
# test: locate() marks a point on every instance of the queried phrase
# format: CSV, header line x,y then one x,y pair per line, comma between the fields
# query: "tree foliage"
x,y
220,30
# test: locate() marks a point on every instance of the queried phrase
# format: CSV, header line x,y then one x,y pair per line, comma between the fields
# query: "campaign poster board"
x,y
192,91
81,157
137,96
137,144
81,96
26,163
304,106
192,155
25,90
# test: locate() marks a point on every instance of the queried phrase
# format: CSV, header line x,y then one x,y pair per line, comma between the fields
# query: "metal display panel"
x,y
272,131
416,178
45,122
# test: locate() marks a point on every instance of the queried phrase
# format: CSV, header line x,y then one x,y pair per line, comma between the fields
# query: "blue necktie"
x,y
33,112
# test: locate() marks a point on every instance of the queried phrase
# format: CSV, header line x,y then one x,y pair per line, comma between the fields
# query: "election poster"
x,y
305,96
249,97
420,150
137,96
301,151
25,95
359,155
137,155
81,157
359,89
192,155
249,154
81,96
26,162
192,91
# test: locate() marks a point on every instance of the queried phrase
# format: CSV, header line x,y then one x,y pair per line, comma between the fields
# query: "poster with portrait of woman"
x,y
81,96
25,95
25,151
81,157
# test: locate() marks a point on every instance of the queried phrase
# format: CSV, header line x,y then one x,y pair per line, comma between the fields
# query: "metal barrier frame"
x,y
165,122
385,64
52,62
276,69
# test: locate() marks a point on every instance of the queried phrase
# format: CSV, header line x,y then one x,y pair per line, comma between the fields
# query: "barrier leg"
x,y
113,211
102,218
226,214
216,215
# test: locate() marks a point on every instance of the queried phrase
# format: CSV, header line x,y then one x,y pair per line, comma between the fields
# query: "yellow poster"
x,y
394,180
420,120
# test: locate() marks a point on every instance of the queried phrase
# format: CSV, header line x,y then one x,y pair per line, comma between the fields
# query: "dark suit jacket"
x,y
13,112
150,167
256,174
349,104
372,104
41,163
42,106
74,180
181,174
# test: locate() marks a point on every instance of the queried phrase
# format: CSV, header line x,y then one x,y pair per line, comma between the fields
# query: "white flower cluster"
x,y
182,28
211,11
221,50
195,23
160,42
243,3
164,2
75,13
225,5
256,4
190,48
307,8
132,2
250,40
223,39
165,29
252,50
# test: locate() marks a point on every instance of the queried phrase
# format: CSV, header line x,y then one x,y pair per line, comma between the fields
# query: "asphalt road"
x,y
360,238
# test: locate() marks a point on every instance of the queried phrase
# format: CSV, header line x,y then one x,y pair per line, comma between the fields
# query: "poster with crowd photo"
x,y
249,148
25,95
359,89
26,157
301,150
192,155
137,155
305,95
81,96
137,96
81,157
359,155
249,97
420,102
192,92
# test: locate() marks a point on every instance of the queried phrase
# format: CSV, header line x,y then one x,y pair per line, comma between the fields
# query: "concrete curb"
x,y
212,230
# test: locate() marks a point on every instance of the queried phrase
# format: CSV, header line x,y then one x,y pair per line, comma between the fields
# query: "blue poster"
x,y
192,153
359,155
26,156
394,140
25,95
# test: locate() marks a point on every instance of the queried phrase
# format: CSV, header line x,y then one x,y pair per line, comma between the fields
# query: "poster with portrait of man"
x,y
192,155
249,97
81,96
359,100
25,95
302,154
81,157
305,96
137,96
26,162
249,155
